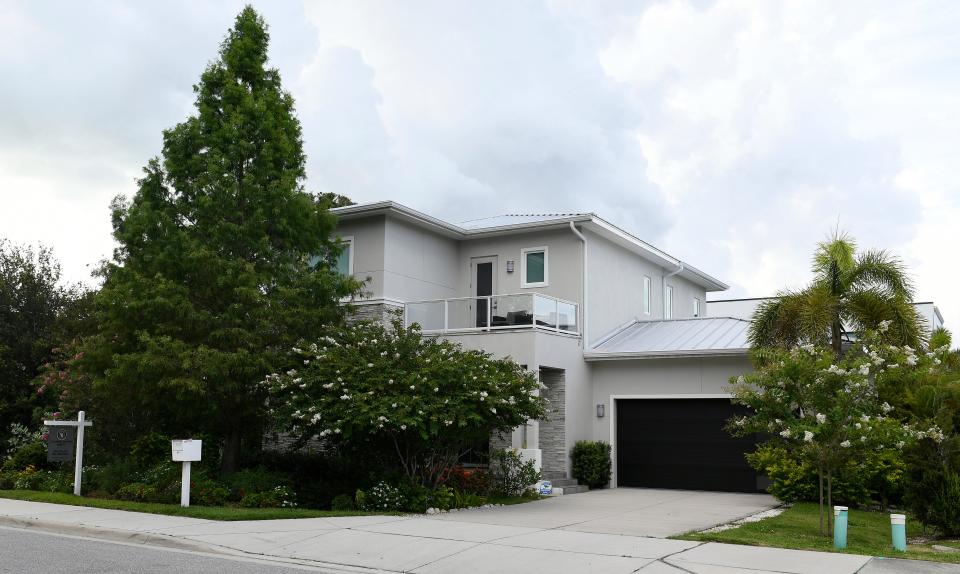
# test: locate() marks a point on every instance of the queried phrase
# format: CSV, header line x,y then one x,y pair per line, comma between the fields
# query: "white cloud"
x,y
733,133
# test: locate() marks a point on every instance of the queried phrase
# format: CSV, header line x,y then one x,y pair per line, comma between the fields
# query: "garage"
x,y
681,443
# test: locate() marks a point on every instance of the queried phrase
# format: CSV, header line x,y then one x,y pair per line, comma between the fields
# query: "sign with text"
x,y
61,445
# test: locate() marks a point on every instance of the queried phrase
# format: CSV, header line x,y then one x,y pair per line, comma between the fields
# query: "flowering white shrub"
x,y
422,401
828,409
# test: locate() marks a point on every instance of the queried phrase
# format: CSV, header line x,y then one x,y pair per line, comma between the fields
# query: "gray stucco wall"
x,y
615,283
418,264
368,256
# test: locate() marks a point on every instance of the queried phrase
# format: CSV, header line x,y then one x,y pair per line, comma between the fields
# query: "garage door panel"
x,y
681,443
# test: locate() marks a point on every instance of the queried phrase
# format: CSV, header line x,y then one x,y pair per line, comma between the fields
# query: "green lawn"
x,y
206,512
798,527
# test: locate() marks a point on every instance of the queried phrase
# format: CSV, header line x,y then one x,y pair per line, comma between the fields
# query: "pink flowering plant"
x,y
423,402
827,410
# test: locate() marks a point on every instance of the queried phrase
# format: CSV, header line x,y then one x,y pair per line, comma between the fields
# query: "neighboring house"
x,y
744,309
615,328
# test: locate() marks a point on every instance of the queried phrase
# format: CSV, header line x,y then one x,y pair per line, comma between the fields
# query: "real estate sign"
x,y
60,444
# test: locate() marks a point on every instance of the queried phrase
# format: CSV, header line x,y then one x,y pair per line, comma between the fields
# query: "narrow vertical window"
x,y
646,295
534,263
696,306
668,303
345,258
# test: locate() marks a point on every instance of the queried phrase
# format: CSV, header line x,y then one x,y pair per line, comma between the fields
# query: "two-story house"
x,y
615,328
612,325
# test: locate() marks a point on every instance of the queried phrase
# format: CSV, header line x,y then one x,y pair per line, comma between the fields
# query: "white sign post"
x,y
80,423
186,450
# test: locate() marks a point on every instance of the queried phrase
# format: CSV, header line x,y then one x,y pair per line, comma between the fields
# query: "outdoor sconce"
x,y
510,266
600,410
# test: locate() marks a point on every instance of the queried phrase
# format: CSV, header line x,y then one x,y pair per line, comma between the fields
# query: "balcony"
x,y
493,313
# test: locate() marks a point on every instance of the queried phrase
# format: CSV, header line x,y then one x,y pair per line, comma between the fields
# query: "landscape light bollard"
x,y
80,424
186,451
840,527
898,530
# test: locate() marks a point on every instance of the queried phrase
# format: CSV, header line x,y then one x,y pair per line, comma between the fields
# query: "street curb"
x,y
127,536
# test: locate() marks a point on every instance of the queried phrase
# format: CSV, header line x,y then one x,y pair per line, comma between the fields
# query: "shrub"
x,y
792,479
110,477
6,479
31,454
342,502
138,492
510,475
254,480
945,511
382,497
591,463
276,497
150,449
57,481
28,479
420,403
207,492
476,481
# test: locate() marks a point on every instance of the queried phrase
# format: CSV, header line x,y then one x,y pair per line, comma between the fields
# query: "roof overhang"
x,y
599,356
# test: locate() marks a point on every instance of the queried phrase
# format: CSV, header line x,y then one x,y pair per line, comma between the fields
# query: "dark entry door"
x,y
484,285
681,443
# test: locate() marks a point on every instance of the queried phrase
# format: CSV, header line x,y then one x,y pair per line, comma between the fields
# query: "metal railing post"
x,y
446,315
489,311
556,314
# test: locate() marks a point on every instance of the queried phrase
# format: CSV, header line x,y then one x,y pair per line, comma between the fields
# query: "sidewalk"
x,y
425,544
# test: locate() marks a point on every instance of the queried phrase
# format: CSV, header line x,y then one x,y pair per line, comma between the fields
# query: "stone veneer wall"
x,y
379,312
553,429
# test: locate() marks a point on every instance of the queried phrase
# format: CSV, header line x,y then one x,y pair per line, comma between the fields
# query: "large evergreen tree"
x,y
216,274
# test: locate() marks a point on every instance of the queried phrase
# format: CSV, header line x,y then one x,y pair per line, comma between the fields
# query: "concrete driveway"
x,y
628,511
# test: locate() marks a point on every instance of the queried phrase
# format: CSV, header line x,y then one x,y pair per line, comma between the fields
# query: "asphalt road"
x,y
25,552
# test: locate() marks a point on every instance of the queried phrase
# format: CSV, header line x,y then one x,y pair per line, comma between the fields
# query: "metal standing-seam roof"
x,y
674,337
516,219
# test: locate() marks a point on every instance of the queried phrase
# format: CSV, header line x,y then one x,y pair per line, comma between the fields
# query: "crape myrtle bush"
x,y
419,403
827,411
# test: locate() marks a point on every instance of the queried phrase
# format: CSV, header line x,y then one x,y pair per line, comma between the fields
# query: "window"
x,y
696,306
345,258
668,303
646,295
533,263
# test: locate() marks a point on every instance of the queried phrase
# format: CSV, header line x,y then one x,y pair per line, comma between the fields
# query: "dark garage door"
x,y
681,443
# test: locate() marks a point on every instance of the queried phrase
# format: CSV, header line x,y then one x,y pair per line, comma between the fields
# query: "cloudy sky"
x,y
733,134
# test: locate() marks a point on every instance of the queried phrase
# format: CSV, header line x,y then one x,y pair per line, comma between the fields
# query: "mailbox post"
x,y
186,451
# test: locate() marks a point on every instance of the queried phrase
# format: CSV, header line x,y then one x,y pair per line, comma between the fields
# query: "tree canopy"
x,y
223,260
419,401
37,313
850,293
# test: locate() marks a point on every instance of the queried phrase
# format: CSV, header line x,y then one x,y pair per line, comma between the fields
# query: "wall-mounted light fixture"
x,y
510,266
600,410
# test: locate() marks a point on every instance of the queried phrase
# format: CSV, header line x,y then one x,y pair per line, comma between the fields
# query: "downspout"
x,y
583,302
663,289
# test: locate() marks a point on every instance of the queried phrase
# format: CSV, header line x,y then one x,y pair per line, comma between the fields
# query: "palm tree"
x,y
850,293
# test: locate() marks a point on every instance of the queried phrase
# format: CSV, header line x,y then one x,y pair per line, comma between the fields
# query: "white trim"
x,y
668,303
348,239
612,410
697,307
647,288
523,267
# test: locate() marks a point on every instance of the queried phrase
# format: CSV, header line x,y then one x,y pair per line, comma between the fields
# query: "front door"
x,y
483,282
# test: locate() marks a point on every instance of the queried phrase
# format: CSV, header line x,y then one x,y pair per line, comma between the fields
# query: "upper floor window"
x,y
646,295
345,258
668,302
533,263
696,306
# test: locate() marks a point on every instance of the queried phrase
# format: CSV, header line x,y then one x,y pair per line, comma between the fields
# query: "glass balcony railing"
x,y
493,312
